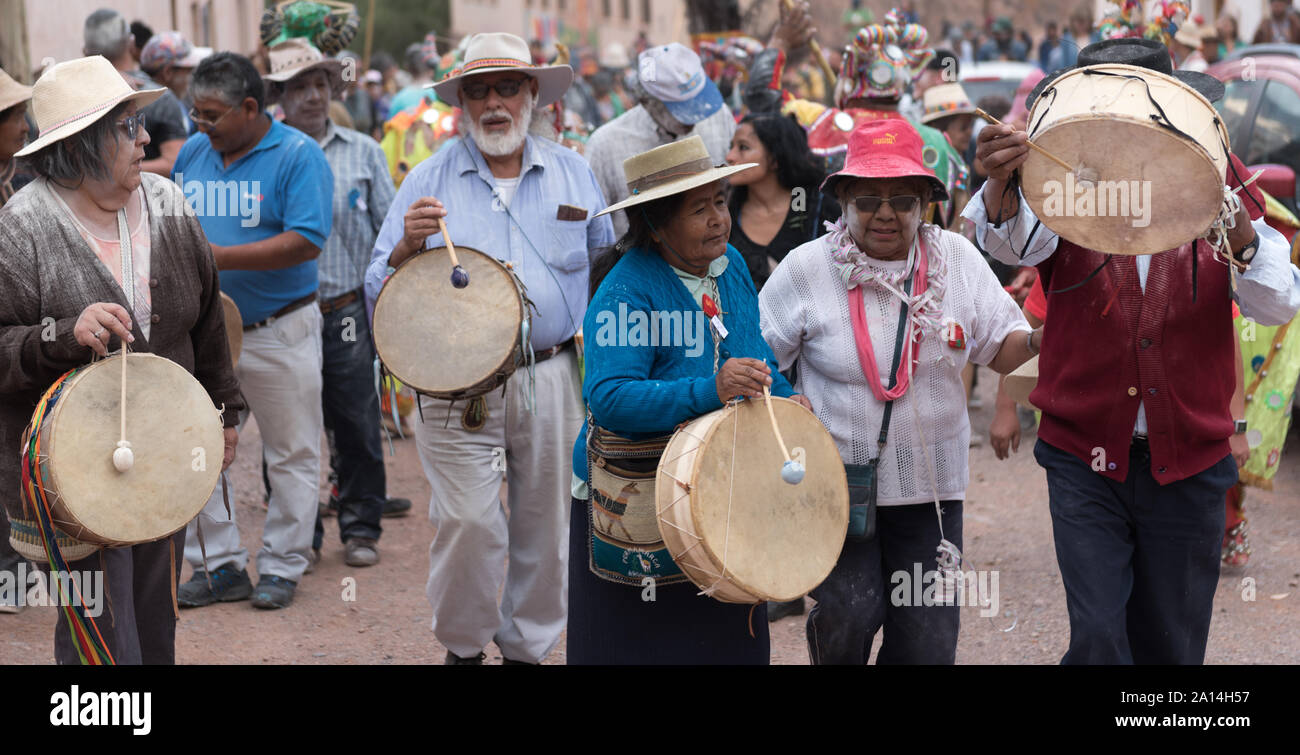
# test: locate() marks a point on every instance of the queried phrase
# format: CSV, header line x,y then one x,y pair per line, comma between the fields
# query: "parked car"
x,y
998,77
1261,112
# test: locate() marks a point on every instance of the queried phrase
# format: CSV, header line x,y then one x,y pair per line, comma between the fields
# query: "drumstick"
x,y
1032,146
123,458
459,278
791,471
817,50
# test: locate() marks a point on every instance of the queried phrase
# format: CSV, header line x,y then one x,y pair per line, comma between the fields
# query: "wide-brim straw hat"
x,y
1189,34
296,56
72,95
944,100
491,52
670,169
11,92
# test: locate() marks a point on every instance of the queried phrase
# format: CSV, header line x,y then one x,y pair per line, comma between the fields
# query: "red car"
x,y
1261,111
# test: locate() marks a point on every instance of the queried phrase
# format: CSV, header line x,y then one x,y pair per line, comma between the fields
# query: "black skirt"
x,y
615,624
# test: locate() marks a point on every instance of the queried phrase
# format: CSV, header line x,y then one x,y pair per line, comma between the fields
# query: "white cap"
x,y
673,75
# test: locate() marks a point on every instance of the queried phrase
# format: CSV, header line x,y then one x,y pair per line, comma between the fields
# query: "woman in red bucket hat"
x,y
882,313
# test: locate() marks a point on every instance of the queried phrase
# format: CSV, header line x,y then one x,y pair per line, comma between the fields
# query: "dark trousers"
x,y
352,421
137,618
1140,561
855,600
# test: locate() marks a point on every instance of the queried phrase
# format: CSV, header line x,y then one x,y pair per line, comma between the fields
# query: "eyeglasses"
x,y
478,90
901,203
202,122
132,125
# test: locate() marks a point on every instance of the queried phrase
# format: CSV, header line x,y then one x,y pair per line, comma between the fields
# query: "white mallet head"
x,y
123,459
792,472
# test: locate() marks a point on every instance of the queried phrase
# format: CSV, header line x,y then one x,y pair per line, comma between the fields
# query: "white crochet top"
x,y
804,313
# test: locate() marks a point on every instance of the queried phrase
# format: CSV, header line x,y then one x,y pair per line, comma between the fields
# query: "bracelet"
x,y
1029,343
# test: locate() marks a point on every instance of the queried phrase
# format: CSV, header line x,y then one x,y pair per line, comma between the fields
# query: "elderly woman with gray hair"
x,y
65,236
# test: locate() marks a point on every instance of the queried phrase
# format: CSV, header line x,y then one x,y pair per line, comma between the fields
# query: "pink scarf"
x,y
862,336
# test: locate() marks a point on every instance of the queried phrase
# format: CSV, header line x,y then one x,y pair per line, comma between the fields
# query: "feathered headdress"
x,y
883,59
329,25
1128,20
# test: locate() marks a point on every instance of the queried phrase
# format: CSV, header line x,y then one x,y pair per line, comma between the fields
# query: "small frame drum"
x,y
177,442
234,327
447,342
739,532
1150,156
1021,382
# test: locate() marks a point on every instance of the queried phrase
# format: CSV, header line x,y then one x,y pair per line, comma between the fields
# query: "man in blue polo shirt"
x,y
263,194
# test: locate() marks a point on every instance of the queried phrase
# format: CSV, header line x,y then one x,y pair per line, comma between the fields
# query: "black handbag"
x,y
863,477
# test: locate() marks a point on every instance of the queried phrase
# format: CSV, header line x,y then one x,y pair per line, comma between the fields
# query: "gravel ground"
x,y
1007,528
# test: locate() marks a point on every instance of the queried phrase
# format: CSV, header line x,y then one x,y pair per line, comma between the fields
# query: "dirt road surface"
x,y
1007,529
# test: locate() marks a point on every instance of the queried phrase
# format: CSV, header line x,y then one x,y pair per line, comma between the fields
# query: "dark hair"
x,y
639,219
940,61
87,153
9,112
787,144
382,61
231,76
994,104
141,33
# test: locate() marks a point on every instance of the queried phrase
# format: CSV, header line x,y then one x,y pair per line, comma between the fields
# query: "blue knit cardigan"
x,y
640,391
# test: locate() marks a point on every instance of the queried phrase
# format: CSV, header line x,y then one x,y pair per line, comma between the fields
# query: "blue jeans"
x,y
352,420
855,601
1139,561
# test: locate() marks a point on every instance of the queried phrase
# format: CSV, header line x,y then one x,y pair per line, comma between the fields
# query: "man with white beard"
x,y
533,203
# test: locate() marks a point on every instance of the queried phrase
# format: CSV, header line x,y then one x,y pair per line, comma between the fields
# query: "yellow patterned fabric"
x,y
1271,356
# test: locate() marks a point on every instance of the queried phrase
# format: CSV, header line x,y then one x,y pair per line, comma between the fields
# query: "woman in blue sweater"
x,y
656,357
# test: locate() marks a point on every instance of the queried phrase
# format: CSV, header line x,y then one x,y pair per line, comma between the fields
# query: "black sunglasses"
x,y
477,90
901,203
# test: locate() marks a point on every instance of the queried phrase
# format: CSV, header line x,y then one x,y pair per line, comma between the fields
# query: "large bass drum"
x,y
1150,156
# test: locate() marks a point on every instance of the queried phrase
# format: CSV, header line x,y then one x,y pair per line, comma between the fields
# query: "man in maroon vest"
x,y
1135,379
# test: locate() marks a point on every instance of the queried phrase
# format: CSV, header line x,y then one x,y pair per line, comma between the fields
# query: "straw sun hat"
x,y
497,51
296,56
670,169
72,95
11,92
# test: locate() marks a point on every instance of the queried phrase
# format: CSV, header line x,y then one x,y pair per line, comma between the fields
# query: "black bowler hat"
x,y
1133,51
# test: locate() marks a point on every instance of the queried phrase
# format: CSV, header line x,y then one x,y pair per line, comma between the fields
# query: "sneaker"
x,y
274,592
228,586
397,507
313,558
361,551
455,660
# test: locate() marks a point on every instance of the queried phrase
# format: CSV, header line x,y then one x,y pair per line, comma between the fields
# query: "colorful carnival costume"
x,y
879,65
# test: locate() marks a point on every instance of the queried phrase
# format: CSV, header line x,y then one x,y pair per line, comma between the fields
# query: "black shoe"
x,y
274,592
777,611
392,507
228,585
455,660
397,507
507,662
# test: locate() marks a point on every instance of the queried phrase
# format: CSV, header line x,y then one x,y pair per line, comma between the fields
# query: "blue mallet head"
x,y
459,278
792,472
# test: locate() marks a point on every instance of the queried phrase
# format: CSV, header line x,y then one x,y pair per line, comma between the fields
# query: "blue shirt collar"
x,y
471,160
